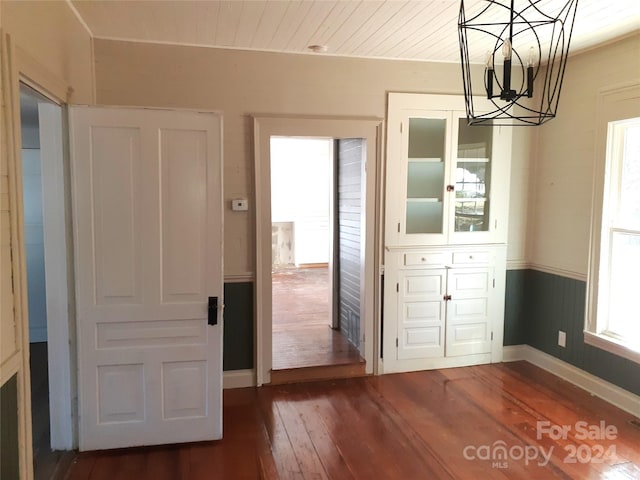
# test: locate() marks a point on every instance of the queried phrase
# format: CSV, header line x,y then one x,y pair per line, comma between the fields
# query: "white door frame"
x,y
58,269
264,128
58,278
18,66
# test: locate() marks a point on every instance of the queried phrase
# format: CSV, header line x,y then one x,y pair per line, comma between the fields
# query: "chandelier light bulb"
x,y
506,49
488,59
531,59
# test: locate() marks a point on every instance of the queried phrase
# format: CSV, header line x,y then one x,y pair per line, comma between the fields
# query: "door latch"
x,y
213,311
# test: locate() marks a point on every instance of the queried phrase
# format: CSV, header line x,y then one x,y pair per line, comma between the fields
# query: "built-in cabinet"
x,y
445,233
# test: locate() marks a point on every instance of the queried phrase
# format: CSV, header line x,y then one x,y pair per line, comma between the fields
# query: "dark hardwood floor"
x,y
302,335
440,424
47,464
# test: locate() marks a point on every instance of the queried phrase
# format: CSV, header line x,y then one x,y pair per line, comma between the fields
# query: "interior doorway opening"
x,y
308,298
45,246
362,138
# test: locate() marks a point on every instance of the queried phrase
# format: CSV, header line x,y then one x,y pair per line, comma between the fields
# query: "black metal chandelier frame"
x,y
510,107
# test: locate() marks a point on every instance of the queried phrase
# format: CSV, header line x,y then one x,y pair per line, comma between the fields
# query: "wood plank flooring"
x,y
47,464
302,335
440,424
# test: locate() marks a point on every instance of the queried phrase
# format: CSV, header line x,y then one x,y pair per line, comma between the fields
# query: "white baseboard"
x,y
609,392
239,379
514,353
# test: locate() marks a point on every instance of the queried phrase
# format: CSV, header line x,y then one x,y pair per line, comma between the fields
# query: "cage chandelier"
x,y
514,38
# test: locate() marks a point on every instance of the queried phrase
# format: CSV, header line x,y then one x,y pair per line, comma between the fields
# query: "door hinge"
x,y
495,225
398,227
492,336
400,127
397,342
397,287
494,283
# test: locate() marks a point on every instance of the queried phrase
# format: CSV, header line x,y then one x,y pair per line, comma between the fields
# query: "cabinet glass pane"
x,y
425,175
473,177
424,216
427,137
425,179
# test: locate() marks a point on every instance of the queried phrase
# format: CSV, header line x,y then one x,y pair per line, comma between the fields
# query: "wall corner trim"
x,y
239,378
609,392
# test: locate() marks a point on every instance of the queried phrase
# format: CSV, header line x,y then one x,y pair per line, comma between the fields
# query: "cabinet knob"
x,y
447,297
450,188
423,259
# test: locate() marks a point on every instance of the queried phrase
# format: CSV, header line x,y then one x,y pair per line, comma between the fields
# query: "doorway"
x,y
308,329
365,290
45,236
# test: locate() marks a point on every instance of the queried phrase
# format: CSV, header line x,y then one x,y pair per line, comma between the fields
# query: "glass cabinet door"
x,y
425,175
473,152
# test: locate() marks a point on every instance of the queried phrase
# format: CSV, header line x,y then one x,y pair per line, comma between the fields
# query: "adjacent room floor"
x,y
462,423
46,463
302,333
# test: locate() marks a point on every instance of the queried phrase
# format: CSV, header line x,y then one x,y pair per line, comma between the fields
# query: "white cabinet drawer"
x,y
471,258
426,259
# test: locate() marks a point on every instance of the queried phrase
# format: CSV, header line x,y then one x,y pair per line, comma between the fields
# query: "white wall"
x,y
34,243
52,45
242,83
301,176
563,165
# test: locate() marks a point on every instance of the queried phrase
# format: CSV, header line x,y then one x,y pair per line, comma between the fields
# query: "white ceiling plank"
x,y
312,26
397,27
228,20
252,13
291,21
388,16
208,24
407,29
411,32
358,18
443,24
269,23
338,18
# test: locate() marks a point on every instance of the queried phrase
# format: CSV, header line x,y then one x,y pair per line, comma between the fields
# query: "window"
x,y
614,319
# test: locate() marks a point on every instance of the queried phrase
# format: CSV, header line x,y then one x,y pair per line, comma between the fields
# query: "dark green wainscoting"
x,y
238,326
539,304
9,468
514,315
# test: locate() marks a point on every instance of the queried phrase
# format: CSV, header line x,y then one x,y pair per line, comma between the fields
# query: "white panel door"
x,y
148,253
421,308
468,315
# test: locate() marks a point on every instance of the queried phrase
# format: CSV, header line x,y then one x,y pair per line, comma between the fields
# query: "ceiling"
x,y
392,29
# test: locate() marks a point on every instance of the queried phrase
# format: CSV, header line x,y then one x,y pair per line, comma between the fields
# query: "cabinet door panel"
x,y
422,314
468,315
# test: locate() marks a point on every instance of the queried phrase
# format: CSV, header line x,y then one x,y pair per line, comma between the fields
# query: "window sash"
x,y
619,266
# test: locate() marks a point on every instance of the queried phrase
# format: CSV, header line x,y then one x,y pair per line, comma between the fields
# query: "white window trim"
x,y
614,104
